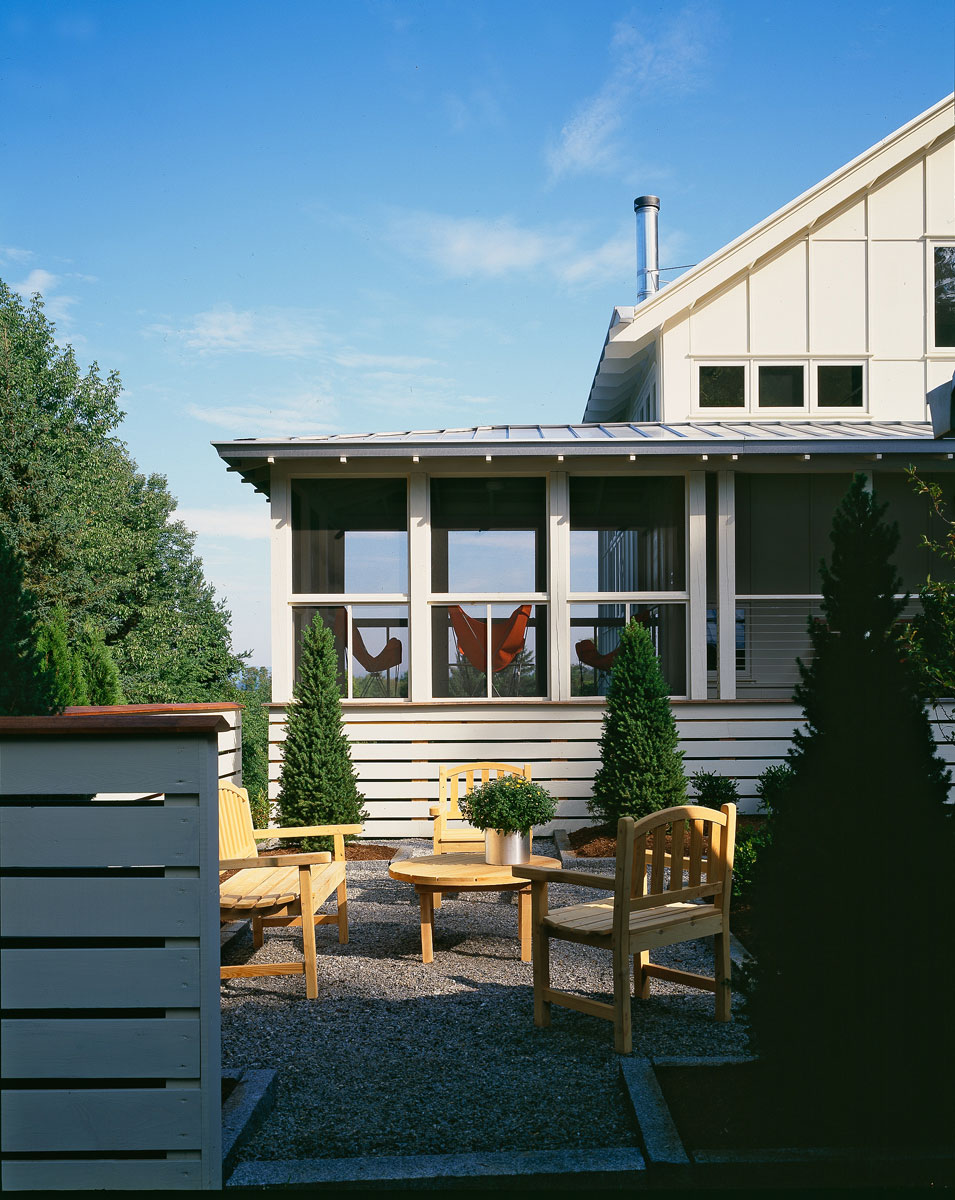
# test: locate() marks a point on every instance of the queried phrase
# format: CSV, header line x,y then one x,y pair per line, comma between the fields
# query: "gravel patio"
x,y
399,1058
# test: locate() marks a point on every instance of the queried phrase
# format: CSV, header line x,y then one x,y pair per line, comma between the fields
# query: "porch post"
x,y
281,573
726,585
696,555
558,585
419,586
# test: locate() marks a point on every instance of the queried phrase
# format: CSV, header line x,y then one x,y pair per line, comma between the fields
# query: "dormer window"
x,y
723,387
782,386
839,385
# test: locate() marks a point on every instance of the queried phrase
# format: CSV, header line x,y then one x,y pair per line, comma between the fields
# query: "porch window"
x,y
349,536
595,637
723,387
371,647
489,651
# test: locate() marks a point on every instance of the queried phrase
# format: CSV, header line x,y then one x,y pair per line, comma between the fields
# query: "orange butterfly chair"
x,y
507,637
588,653
373,663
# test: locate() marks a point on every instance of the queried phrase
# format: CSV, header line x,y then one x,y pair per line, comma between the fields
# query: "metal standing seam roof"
x,y
252,457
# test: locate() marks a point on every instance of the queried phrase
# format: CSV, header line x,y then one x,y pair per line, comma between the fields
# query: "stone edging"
x,y
251,1101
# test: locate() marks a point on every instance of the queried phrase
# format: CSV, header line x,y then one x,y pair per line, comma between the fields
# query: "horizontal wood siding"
x,y
398,750
109,967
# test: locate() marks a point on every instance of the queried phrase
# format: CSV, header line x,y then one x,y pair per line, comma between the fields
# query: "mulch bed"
x,y
600,841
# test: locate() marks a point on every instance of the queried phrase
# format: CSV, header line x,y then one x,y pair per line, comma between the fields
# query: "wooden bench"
x,y
278,889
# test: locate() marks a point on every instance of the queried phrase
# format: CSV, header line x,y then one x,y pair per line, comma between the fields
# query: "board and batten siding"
x,y
397,751
109,968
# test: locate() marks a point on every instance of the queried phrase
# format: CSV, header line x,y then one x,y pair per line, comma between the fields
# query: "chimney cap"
x,y
646,202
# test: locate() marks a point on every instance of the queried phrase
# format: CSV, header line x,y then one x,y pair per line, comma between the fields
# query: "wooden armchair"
x,y
280,889
638,918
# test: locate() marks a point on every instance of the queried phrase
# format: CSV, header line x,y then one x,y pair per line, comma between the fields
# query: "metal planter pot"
x,y
506,849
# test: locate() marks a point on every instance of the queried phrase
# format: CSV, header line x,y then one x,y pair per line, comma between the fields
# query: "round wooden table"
x,y
437,873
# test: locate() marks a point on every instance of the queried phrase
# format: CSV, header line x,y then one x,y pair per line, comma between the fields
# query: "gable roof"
x,y
633,330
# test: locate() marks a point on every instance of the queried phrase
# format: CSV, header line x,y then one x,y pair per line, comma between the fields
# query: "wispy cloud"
x,y
301,416
226,522
57,304
273,332
15,254
391,362
664,62
468,247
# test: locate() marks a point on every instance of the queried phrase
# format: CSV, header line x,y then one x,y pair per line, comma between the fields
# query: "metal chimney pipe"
x,y
647,209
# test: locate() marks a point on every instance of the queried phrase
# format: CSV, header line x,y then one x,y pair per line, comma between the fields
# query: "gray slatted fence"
x,y
110,953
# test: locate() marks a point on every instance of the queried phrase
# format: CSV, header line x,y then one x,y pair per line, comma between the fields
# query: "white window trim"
x,y
936,351
810,365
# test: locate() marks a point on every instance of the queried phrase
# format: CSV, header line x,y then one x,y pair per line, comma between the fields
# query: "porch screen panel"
x,y
488,535
595,637
349,535
916,518
627,534
509,641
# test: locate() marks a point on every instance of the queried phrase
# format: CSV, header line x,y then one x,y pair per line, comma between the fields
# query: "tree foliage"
x,y
318,784
96,536
253,690
25,687
63,666
849,910
641,767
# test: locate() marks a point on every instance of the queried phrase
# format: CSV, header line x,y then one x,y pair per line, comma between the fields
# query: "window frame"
x,y
931,245
810,364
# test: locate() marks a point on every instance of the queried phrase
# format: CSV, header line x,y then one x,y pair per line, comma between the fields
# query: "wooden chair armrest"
x,y
435,810
605,883
275,860
307,831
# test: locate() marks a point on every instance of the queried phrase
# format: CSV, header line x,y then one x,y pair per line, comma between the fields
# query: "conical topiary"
x,y
25,687
849,1008
318,784
641,768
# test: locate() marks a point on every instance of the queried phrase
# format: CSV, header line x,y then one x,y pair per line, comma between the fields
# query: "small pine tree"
x,y
25,688
641,767
64,667
851,901
99,667
318,784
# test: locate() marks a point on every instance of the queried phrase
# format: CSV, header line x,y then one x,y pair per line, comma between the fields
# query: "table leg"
x,y
427,924
524,922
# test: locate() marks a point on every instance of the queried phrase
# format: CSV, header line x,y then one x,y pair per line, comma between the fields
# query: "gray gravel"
x,y
396,1057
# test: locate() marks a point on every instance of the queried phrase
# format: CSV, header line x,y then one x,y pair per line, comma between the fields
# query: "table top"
x,y
462,870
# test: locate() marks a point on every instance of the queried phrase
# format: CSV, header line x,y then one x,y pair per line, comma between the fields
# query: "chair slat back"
x,y
450,780
709,858
235,823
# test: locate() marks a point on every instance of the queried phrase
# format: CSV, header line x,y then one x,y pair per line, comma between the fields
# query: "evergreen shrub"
x,y
318,784
713,791
25,687
852,900
641,765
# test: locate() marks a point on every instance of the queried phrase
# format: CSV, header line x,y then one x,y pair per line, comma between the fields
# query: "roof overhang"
x,y
743,445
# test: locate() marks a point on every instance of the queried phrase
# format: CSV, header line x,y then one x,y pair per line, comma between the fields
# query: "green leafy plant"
x,y
318,784
260,808
510,804
641,769
26,689
713,791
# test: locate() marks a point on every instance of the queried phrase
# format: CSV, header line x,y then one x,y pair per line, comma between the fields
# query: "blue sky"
x,y
291,218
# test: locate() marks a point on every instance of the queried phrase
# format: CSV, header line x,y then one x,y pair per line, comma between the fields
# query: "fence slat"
x,y
101,1119
38,907
44,836
79,1174
91,1049
100,978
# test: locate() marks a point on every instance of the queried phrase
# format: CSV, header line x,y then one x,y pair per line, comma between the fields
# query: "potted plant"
x,y
506,809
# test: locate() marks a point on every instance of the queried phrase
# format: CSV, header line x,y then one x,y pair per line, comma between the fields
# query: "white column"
x,y
696,584
281,572
558,585
419,586
726,584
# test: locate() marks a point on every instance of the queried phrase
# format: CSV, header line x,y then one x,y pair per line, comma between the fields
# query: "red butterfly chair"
x,y
373,663
507,637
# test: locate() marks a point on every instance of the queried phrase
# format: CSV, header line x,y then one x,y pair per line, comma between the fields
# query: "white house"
x,y
477,579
